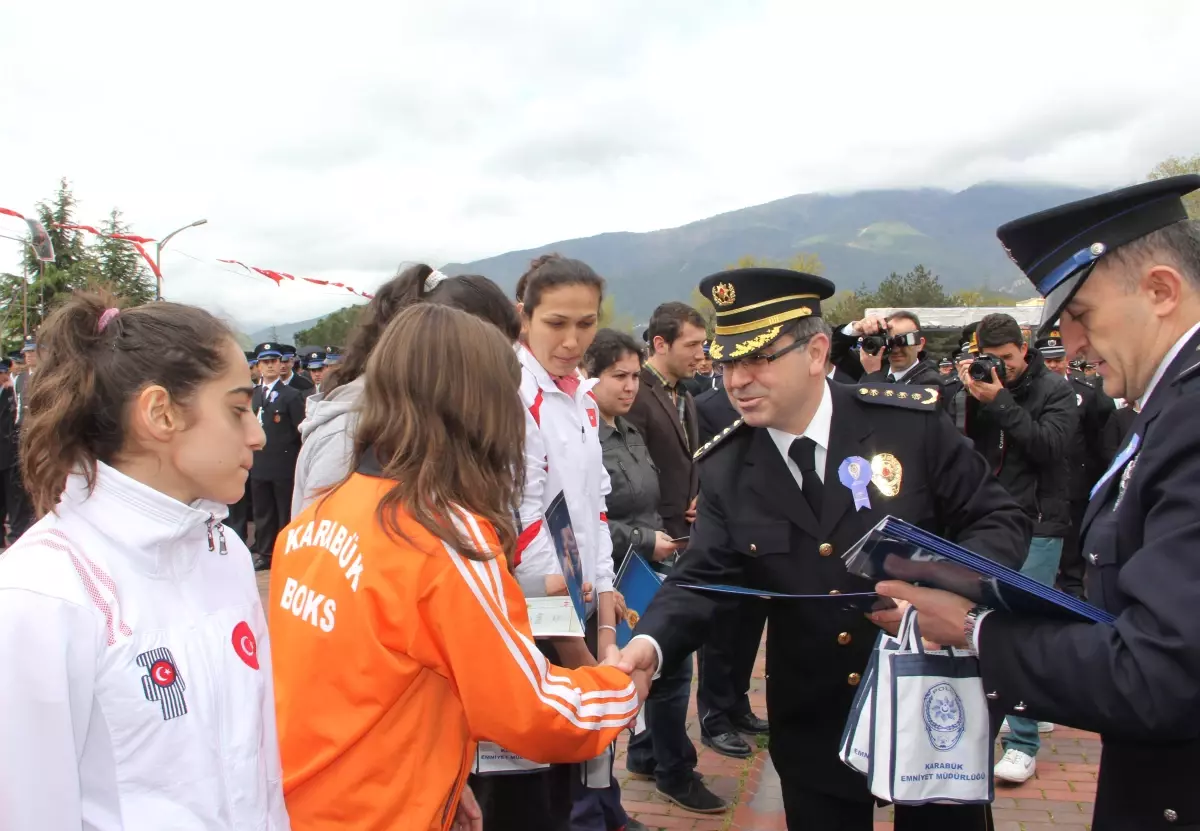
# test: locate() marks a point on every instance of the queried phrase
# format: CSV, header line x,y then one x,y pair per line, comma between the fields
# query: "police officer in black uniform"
x,y
777,509
1090,450
280,409
292,373
1123,270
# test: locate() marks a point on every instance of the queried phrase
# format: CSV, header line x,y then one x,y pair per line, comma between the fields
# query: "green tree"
x,y
981,297
610,318
845,306
121,267
706,309
74,267
919,287
1177,166
331,330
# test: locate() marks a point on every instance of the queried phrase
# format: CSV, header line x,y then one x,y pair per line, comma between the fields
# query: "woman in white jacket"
x,y
135,691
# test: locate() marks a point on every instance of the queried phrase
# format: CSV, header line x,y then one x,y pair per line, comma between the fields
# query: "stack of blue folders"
x,y
896,550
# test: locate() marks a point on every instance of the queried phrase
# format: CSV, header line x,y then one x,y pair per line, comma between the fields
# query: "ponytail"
x,y
94,358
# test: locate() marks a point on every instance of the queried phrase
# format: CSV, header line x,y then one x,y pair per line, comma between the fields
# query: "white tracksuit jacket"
x,y
135,670
562,455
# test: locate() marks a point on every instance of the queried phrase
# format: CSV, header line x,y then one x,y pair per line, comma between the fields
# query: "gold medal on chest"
x,y
886,473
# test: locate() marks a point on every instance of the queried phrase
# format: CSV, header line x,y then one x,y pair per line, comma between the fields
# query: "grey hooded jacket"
x,y
327,452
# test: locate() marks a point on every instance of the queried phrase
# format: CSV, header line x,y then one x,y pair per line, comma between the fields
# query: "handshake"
x,y
638,660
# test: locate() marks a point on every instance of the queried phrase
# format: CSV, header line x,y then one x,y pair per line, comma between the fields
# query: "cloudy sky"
x,y
336,140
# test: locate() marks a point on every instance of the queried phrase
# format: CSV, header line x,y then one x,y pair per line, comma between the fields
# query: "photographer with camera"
x,y
891,351
1021,417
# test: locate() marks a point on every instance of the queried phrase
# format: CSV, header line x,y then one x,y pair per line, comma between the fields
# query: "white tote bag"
x,y
855,747
930,733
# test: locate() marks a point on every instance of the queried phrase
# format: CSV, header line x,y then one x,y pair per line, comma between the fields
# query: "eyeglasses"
x,y
756,362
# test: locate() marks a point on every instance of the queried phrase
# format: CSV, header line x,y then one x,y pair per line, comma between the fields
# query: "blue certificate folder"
x,y
896,550
637,583
558,520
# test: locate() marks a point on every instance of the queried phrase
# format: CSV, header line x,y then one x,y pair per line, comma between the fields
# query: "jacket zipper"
x,y
219,545
455,793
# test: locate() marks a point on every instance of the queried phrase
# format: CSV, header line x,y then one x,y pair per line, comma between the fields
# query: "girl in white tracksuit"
x,y
136,675
560,317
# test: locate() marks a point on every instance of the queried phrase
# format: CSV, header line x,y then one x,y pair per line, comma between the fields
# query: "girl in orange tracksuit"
x,y
400,639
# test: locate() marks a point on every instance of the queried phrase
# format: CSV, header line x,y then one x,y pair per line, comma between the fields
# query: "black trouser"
x,y
537,801
663,750
17,504
726,662
811,811
239,515
272,511
1072,566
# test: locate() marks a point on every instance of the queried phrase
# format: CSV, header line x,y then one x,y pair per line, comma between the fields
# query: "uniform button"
x,y
844,638
1019,707
834,591
1170,816
854,679
825,549
753,548
992,696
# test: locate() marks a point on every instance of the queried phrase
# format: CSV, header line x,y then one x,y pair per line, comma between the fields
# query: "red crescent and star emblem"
x,y
591,416
162,673
245,644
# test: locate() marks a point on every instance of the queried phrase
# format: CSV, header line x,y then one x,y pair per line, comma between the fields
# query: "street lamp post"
x,y
159,246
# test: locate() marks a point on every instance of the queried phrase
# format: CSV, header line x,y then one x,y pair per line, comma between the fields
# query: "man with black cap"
x,y
295,380
1121,272
813,467
1089,452
14,502
279,409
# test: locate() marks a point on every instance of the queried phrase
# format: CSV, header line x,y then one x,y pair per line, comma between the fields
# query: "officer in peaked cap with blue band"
x,y
1123,271
279,409
784,493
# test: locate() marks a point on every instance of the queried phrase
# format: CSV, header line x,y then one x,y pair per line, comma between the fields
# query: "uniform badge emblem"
x,y
276,418
1126,475
886,473
855,473
945,720
723,294
245,644
162,682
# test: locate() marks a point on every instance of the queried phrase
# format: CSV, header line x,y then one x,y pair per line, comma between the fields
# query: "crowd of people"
x,y
400,491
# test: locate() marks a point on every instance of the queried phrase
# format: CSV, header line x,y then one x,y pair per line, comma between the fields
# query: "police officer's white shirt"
x,y
902,374
817,430
136,687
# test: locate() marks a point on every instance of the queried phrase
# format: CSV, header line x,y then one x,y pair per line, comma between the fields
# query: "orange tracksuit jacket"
x,y
392,660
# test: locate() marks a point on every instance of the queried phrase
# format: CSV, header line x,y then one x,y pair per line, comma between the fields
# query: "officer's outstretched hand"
x,y
639,661
942,615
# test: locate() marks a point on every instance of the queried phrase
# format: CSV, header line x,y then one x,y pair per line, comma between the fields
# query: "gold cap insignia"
x,y
723,294
715,351
886,473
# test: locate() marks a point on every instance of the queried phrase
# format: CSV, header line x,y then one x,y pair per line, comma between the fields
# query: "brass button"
x,y
854,679
834,591
844,638
753,548
825,549
1170,816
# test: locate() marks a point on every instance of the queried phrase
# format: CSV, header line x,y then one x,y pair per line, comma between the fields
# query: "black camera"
x,y
873,343
981,368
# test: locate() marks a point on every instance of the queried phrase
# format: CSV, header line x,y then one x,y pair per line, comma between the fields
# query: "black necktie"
x,y
891,378
803,452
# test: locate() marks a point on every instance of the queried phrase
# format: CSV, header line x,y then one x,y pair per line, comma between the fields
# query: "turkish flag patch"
x,y
245,645
591,415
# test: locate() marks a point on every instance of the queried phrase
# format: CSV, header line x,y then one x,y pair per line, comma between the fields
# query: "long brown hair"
x,y
87,375
440,410
472,293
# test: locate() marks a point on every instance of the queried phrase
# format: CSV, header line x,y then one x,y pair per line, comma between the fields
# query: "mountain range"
x,y
860,237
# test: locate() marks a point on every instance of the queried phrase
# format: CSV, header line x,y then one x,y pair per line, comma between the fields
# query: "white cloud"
x,y
335,141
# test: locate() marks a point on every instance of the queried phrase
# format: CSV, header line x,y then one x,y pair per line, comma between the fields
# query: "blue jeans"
x,y
663,748
1041,565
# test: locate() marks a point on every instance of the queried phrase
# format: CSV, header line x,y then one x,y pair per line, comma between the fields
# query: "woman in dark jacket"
x,y
663,751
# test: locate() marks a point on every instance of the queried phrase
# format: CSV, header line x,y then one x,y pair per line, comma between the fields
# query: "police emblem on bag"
x,y
162,682
945,720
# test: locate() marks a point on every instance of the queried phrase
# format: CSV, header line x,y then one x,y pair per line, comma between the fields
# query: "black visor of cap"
x,y
1060,296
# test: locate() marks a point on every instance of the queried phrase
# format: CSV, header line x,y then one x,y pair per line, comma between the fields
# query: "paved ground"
x,y
1059,798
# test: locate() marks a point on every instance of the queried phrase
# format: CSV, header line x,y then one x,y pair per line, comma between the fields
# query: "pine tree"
x,y
121,267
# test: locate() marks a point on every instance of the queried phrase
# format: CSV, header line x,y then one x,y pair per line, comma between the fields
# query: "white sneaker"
x,y
1045,727
1016,767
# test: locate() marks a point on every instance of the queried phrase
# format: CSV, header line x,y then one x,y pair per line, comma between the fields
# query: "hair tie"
x,y
434,279
108,317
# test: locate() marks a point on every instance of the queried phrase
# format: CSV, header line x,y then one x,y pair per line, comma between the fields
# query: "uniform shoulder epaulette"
x,y
717,439
908,396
